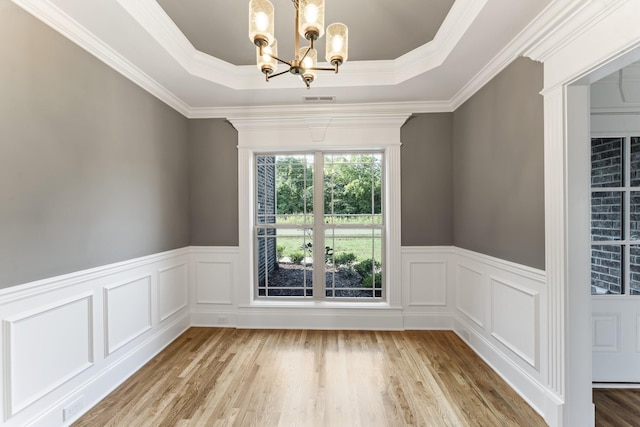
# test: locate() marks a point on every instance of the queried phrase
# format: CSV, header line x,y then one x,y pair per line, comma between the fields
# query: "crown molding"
x,y
52,16
343,110
555,14
573,18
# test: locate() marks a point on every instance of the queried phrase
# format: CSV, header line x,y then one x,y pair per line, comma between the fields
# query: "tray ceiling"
x,y
192,54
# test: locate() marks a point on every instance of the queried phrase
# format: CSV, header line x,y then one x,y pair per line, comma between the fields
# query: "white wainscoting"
x,y
499,313
426,292
214,283
424,289
74,338
70,340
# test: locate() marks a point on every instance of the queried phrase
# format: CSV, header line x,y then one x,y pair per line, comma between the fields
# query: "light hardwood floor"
x,y
229,377
617,407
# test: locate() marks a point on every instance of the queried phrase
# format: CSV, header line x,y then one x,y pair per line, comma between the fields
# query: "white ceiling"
x,y
397,53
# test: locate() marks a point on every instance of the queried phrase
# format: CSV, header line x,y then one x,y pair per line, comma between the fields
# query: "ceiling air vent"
x,y
319,99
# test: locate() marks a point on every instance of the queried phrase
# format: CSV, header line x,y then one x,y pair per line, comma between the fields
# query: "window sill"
x,y
316,304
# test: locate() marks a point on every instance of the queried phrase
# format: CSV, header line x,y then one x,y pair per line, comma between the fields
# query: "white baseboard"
x,y
420,321
616,385
296,318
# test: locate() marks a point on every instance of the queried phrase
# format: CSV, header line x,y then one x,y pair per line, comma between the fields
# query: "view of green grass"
x,y
358,242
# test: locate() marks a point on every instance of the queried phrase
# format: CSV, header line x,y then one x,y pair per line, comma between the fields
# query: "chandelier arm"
x,y
269,77
305,55
280,60
323,69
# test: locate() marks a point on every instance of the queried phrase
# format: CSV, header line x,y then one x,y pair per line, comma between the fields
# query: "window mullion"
x,y
318,227
626,220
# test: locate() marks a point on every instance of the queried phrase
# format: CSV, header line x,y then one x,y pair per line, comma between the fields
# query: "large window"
x,y
615,215
319,225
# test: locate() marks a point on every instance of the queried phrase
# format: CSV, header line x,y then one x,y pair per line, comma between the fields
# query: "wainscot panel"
x,y
471,293
515,319
127,312
427,294
214,275
172,293
62,331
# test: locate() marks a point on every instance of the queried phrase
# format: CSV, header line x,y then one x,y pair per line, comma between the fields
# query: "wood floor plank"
x,y
228,377
617,407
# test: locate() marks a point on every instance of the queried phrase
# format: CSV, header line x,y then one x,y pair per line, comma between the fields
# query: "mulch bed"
x,y
290,275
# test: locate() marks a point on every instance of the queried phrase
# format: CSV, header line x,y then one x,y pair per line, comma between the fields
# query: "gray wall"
x,y
498,179
427,180
213,177
93,169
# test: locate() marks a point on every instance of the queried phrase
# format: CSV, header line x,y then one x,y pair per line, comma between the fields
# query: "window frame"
x,y
318,226
626,190
331,129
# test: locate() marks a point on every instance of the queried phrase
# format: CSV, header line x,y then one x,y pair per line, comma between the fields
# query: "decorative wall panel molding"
x,y
515,318
214,281
172,290
127,308
471,291
44,348
214,273
426,282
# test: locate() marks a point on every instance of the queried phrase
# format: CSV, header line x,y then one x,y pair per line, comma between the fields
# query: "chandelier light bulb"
x,y
311,19
267,62
311,13
337,44
309,62
261,22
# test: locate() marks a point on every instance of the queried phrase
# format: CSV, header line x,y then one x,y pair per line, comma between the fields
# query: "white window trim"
x,y
282,134
320,228
626,242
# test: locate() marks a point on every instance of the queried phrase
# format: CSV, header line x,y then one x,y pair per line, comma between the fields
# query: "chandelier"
x,y
309,23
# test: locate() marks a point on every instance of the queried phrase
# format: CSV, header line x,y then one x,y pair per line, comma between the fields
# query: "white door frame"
x,y
599,38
